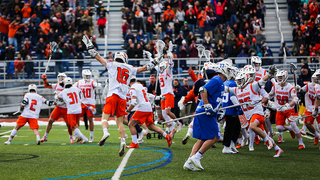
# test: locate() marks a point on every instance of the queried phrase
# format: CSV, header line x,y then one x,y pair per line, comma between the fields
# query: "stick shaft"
x,y
47,64
194,115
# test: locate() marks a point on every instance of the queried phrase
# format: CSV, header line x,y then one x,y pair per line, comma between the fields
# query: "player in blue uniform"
x,y
205,126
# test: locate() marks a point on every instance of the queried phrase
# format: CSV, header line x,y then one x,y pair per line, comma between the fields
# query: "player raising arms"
x,y
250,93
61,109
30,107
71,97
87,86
143,114
120,74
310,96
285,100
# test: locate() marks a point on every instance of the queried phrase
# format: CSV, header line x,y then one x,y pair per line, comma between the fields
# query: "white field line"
x,y
124,161
6,132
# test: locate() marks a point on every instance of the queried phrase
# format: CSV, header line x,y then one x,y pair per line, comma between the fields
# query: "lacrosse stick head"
x,y
95,73
293,68
207,54
201,50
160,46
53,45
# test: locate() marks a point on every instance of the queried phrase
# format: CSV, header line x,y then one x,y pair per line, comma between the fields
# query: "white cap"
x,y
190,6
184,42
54,18
70,8
100,1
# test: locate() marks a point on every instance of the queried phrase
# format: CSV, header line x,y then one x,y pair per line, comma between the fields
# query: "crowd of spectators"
x,y
226,28
27,27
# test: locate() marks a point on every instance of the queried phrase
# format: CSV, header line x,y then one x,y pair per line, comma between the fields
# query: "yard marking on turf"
x,y
123,163
6,132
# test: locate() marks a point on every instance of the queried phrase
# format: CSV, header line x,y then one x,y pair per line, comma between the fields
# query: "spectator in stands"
x,y
18,66
295,37
47,51
302,52
139,19
53,35
140,36
150,28
264,12
208,26
129,36
219,10
317,41
217,35
157,6
168,15
13,28
65,56
24,52
125,27
234,51
313,54
220,48
83,4
163,28
2,51
242,54
56,8
72,4
267,49
207,41
169,32
9,52
186,29
180,16
193,52
102,25
145,11
139,51
77,39
26,12
231,40
260,39
131,51
300,39
232,10
178,42
4,28
191,38
40,49
184,50
284,48
45,26
191,18
28,67
86,23
201,18
70,15
128,16
176,27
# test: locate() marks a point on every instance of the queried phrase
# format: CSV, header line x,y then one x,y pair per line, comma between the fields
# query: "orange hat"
x,y
48,45
58,14
169,7
149,18
240,36
86,12
27,4
34,15
254,39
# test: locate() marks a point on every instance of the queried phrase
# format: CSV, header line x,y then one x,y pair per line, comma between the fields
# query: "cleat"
x,y
91,139
196,162
227,150
140,136
278,153
257,140
234,149
189,166
7,142
293,135
140,141
185,139
122,149
173,132
145,132
83,141
71,140
316,140
269,144
78,139
280,139
272,134
251,148
301,146
214,146
104,138
38,142
75,137
239,146
44,138
303,132
169,139
179,126
133,145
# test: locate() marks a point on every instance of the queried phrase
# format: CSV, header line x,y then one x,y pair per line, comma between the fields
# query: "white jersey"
x,y
165,81
260,73
140,92
58,89
120,75
310,96
32,109
283,95
88,95
72,99
252,92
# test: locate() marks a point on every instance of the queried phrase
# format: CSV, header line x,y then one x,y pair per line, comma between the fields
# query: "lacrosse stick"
x,y
201,50
293,69
91,109
53,45
95,73
160,46
185,117
17,112
207,54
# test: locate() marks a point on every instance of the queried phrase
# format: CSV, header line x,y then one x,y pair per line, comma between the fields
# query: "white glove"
x,y
148,54
298,88
169,51
209,109
285,107
272,71
267,114
90,47
99,86
162,98
315,112
252,103
220,115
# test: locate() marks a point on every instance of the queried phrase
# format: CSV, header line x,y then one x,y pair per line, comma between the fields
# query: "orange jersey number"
x,y
86,93
74,97
123,75
33,102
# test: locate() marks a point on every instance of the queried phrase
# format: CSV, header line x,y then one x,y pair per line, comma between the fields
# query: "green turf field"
x,y
57,158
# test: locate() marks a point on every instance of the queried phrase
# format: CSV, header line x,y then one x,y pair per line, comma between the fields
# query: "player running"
x,y
120,74
30,107
71,97
143,114
61,109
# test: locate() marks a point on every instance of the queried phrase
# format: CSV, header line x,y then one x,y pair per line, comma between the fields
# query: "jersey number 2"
x,y
33,102
123,75
74,97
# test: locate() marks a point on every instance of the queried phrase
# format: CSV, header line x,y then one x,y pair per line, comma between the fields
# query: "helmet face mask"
x,y
224,68
242,79
163,66
282,77
256,62
61,77
251,72
315,78
86,74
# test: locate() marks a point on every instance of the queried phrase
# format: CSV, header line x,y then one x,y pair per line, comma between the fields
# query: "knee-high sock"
x,y
244,132
269,125
295,127
252,135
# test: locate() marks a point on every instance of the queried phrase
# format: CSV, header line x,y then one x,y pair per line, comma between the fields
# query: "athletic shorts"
x,y
259,118
33,123
58,112
311,118
114,104
73,119
282,116
143,117
86,110
168,102
205,127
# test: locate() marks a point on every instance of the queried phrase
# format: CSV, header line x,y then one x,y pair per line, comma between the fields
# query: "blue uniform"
x,y
204,126
227,101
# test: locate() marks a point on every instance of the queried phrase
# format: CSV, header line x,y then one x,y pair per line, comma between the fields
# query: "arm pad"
x,y
234,100
262,82
202,90
296,100
134,102
24,102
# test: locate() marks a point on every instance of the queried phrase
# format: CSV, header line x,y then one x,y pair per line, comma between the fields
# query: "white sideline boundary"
x,y
123,163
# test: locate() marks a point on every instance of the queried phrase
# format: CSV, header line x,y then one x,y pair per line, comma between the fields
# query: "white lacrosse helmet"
x,y
121,57
32,87
61,77
86,74
242,79
251,71
163,66
315,78
281,76
256,62
233,72
67,81
224,68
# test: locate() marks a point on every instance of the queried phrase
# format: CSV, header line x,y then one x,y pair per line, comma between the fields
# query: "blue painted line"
x,y
167,157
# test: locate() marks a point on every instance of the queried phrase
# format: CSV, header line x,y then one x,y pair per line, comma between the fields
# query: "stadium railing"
x,y
107,31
